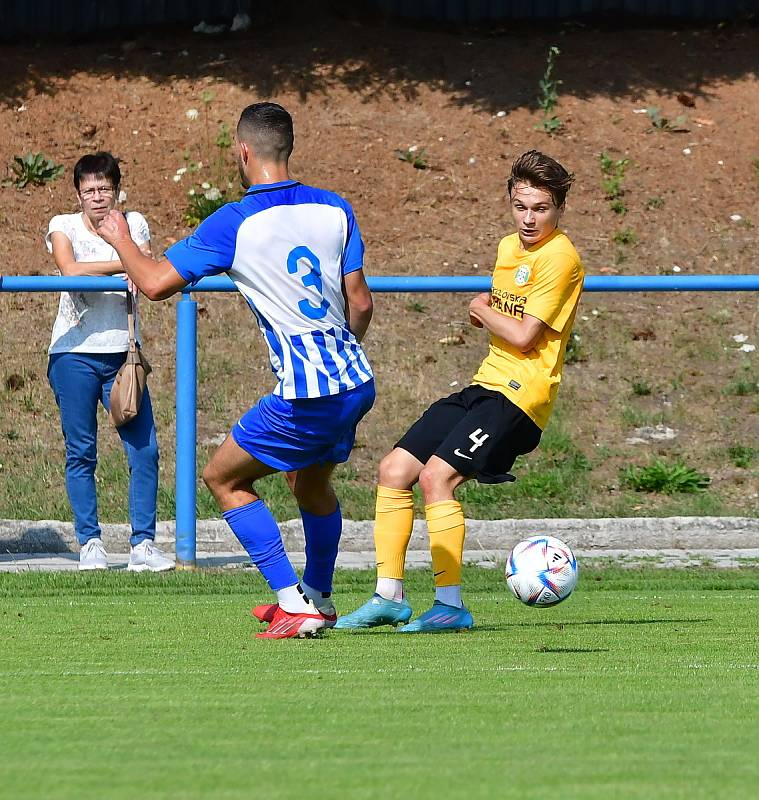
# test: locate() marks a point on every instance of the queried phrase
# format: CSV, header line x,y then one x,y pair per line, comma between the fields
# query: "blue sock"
x,y
322,534
258,532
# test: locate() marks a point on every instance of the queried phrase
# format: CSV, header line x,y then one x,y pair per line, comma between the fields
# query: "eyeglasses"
x,y
105,191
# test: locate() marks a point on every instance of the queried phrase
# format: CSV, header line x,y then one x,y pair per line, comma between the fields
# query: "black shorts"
x,y
477,431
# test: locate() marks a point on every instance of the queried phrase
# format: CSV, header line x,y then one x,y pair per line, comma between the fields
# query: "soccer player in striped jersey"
x,y
295,254
479,432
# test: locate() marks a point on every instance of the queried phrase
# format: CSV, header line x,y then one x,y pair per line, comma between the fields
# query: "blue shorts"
x,y
293,434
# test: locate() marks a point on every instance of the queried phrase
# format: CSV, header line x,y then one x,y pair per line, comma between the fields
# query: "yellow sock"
x,y
445,523
393,522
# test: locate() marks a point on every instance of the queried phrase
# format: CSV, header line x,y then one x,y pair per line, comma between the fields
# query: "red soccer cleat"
x,y
291,626
267,611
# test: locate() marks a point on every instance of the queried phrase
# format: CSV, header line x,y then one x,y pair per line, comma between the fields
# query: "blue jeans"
x,y
79,381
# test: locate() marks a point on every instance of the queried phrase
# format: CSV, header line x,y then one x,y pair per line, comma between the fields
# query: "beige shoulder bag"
x,y
129,385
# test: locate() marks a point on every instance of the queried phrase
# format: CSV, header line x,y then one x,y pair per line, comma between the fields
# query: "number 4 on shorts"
x,y
478,439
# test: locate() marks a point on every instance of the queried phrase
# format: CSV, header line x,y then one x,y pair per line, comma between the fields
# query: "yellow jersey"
x,y
544,281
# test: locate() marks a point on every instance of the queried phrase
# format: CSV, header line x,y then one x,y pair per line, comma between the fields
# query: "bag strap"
x,y
130,321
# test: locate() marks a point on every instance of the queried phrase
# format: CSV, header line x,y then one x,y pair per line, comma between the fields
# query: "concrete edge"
x,y
590,535
487,559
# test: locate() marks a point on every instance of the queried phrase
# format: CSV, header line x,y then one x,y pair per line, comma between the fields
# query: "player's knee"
x,y
432,480
211,478
392,472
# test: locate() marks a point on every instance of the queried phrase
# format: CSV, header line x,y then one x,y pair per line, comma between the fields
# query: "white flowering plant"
x,y
213,182
202,201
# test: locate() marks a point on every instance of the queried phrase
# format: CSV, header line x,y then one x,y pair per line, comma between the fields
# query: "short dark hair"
x,y
542,172
268,128
101,164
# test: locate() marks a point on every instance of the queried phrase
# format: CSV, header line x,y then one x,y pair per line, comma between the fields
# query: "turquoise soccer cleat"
x,y
440,617
376,611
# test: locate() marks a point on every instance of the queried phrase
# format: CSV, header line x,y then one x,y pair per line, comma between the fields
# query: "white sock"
x,y
450,595
322,600
292,600
390,588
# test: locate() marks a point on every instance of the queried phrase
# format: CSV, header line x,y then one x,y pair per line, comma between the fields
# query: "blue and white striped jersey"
x,y
287,246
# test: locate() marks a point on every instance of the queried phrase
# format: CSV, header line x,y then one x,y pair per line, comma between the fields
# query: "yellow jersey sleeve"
x,y
553,296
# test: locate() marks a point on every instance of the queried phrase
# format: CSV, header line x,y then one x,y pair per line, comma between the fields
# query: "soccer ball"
x,y
541,571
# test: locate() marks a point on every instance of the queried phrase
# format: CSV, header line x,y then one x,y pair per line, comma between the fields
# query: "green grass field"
x,y
644,684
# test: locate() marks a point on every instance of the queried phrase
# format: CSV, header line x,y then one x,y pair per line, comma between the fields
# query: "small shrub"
x,y
613,172
548,98
641,387
202,202
637,418
575,352
742,387
664,478
741,455
721,316
654,202
618,207
662,123
34,169
417,158
625,236
27,401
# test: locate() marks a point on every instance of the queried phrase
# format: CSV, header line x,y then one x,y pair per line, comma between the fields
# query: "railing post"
x,y
186,414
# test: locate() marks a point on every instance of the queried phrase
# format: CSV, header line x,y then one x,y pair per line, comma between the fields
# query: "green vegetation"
x,y
34,169
745,384
641,387
666,478
613,175
202,203
208,195
741,455
662,123
414,156
575,351
634,682
654,203
548,98
618,207
625,236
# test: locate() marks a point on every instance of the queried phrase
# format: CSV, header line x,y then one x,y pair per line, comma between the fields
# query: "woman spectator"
x,y
89,344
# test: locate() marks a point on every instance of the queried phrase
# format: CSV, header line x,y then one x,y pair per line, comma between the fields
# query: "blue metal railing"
x,y
186,358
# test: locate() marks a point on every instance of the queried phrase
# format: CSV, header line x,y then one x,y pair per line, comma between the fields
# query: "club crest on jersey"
x,y
522,276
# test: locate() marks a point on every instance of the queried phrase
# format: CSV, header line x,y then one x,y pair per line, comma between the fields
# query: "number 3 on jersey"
x,y
313,277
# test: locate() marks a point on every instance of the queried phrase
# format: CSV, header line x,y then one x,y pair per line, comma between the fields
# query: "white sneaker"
x,y
146,556
93,555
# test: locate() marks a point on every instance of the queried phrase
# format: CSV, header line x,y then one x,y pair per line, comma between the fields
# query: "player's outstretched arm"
x,y
359,304
521,333
157,280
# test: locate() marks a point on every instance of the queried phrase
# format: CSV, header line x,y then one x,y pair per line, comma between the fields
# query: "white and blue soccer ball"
x,y
541,571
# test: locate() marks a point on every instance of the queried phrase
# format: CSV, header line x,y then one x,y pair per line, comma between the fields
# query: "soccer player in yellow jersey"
x,y
479,432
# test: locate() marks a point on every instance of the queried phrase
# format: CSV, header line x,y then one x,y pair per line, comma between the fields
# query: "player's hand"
x,y
113,228
476,308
